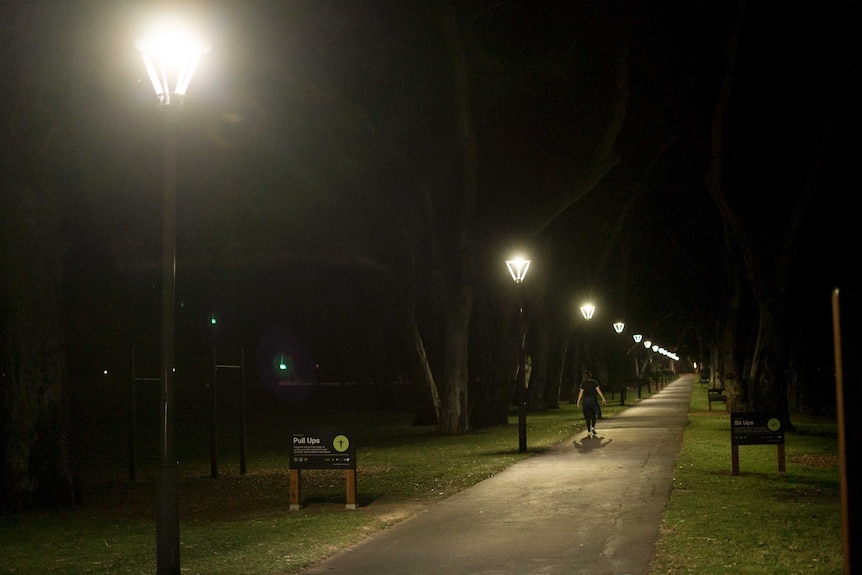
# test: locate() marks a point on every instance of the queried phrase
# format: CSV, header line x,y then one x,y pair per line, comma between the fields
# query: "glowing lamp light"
x,y
637,337
171,56
518,268
647,344
588,310
619,326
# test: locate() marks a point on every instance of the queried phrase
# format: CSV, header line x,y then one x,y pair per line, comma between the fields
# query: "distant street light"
x,y
170,57
518,269
619,326
587,310
637,338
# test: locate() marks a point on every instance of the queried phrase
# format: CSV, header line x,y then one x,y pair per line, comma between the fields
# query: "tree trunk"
x,y
728,368
540,395
428,398
454,416
493,355
34,451
767,247
33,398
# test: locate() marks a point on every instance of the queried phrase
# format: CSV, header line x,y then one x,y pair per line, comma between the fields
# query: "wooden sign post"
x,y
322,448
756,428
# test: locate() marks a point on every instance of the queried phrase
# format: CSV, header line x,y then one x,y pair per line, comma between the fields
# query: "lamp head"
x,y
171,55
518,268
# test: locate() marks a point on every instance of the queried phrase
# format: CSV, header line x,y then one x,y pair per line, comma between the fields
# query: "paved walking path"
x,y
586,507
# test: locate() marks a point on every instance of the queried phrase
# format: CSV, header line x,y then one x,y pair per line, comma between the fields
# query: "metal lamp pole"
x,y
170,58
167,521
637,339
518,269
619,326
587,310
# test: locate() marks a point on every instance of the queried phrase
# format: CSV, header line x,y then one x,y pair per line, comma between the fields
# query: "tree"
x,y
476,209
766,189
34,448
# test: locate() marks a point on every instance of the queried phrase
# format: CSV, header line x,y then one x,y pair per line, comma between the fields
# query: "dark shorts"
x,y
591,407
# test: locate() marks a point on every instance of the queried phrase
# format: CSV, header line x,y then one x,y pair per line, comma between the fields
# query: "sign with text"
x,y
756,428
322,448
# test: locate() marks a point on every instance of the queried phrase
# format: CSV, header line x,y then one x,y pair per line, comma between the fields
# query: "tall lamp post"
x,y
587,310
170,58
637,339
619,326
518,269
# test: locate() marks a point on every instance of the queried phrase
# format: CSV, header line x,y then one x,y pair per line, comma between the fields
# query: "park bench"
x,y
716,394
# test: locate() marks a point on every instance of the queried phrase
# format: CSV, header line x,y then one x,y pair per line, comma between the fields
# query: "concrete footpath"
x,y
586,507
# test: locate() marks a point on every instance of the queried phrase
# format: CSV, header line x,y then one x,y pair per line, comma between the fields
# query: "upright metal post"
x,y
242,464
214,424
167,521
133,423
522,377
846,512
214,429
133,414
518,270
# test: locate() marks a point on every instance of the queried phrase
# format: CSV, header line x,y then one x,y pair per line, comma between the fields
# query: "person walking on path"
x,y
588,398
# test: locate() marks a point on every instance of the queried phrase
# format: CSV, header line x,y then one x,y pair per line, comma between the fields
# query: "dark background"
x,y
312,128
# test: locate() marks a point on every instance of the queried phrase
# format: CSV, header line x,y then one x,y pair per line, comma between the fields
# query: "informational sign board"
x,y
756,428
322,448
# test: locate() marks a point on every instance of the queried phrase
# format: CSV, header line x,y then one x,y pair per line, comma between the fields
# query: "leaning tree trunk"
x,y
428,399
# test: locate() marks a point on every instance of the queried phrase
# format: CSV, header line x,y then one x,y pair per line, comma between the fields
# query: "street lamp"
x,y
637,339
518,269
170,57
587,310
619,326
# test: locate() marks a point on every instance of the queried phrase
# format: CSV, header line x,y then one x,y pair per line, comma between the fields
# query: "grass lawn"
x,y
757,522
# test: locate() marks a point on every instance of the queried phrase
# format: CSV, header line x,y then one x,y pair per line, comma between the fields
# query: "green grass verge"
x,y
241,523
757,522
